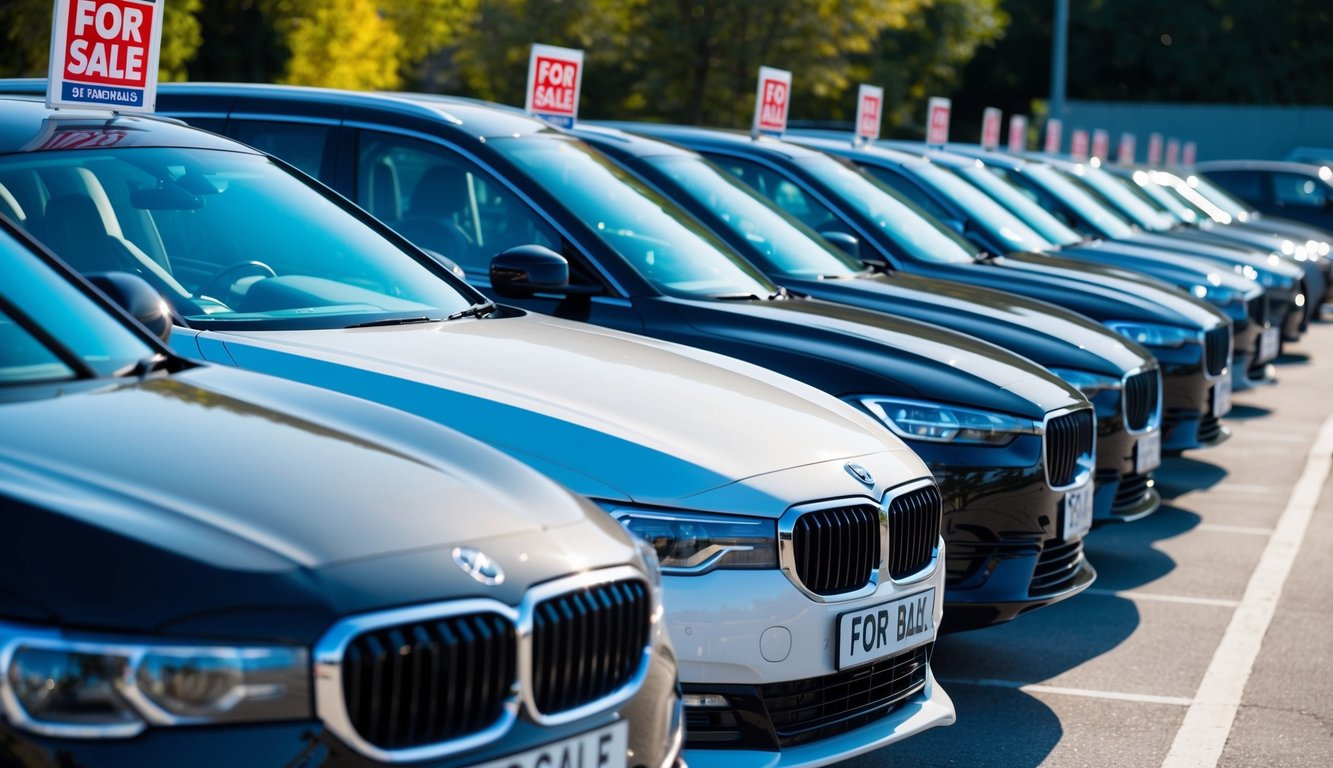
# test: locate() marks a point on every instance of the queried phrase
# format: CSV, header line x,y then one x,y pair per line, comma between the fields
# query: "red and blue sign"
x,y
105,53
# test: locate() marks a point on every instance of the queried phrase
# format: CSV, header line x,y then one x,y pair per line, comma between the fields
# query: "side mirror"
x,y
523,270
847,243
132,294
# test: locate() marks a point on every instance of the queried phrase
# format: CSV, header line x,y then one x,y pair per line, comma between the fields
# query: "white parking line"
x,y
1233,528
1139,698
1203,734
1133,595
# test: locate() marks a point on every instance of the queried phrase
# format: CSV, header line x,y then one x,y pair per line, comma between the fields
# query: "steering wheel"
x,y
225,279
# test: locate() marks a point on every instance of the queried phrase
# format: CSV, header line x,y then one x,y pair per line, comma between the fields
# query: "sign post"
x,y
1189,153
1018,133
869,111
1053,138
555,80
937,121
990,128
1125,155
1078,144
772,99
1101,145
104,53
1173,151
1154,149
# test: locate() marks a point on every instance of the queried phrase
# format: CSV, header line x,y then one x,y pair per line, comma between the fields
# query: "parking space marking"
x,y
1130,594
1262,489
1203,734
1233,528
1140,698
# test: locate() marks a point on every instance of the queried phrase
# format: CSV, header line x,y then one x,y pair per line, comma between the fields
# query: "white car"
x,y
799,538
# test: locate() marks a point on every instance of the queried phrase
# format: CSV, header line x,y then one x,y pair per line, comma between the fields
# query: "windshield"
x,y
671,251
910,228
1013,198
778,241
1126,202
230,239
992,217
1218,196
51,331
1142,184
1107,222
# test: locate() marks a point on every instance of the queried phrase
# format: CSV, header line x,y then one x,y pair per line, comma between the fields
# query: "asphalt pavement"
x,y
1207,639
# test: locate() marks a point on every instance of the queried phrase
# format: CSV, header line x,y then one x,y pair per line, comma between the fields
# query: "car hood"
x,y
1100,292
1045,333
169,500
848,351
1220,253
1183,271
608,414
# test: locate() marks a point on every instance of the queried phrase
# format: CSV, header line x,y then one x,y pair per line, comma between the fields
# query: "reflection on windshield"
x,y
910,228
228,238
1000,223
1013,198
672,252
1128,204
1104,219
778,242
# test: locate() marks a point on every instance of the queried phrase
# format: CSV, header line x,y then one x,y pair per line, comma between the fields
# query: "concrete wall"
x,y
1222,131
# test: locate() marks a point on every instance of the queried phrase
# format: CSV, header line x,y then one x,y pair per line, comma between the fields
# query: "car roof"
x,y
995,157
28,125
1310,169
630,143
844,146
720,138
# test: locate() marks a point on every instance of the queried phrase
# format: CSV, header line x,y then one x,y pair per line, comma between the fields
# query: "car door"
x,y
1300,197
448,203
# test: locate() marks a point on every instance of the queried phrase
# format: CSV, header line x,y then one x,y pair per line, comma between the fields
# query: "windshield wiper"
x,y
780,293
397,321
476,310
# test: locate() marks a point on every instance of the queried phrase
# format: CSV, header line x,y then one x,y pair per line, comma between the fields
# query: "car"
x,y
998,218
206,566
624,257
782,517
1300,191
1191,340
1119,377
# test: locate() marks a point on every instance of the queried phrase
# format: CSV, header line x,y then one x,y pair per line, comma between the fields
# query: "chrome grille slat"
x,y
914,529
616,615
837,550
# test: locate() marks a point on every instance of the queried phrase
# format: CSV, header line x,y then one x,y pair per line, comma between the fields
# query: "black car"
x,y
954,190
545,222
1118,376
208,567
1300,191
1191,340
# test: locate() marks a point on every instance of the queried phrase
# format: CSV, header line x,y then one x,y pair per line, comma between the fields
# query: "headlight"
x,y
74,688
1219,295
689,543
1151,335
938,423
1247,271
1089,383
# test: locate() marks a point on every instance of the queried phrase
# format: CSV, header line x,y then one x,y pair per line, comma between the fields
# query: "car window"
x,y
784,193
1022,203
1298,190
443,202
1247,185
301,144
908,190
226,237
24,359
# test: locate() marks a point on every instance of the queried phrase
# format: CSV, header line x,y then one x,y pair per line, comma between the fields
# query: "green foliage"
x,y
26,51
339,44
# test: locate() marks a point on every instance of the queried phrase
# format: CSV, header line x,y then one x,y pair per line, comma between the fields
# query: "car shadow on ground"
x,y
1241,412
1124,555
1292,358
1180,475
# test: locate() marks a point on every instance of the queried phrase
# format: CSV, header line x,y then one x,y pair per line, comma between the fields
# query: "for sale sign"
x,y
1154,149
1018,133
1126,154
1101,144
555,76
1172,152
990,128
937,121
104,53
869,111
772,99
1189,153
1053,138
1078,145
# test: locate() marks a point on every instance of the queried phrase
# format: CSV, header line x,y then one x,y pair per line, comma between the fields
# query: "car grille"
x,y
1217,349
914,530
431,681
837,550
1129,495
1141,392
1068,439
1057,568
782,715
588,643
434,680
1257,309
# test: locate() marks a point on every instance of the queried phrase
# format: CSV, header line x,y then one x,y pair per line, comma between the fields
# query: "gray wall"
x,y
1222,131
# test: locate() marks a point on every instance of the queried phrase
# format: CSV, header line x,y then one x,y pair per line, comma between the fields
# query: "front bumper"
x,y
654,715
751,635
1187,397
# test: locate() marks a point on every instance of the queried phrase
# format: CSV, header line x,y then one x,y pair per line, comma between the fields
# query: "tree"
x,y
340,44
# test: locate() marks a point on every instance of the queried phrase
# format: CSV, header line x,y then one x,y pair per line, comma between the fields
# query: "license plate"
x,y
1148,452
885,629
1078,512
603,748
1222,397
1268,344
